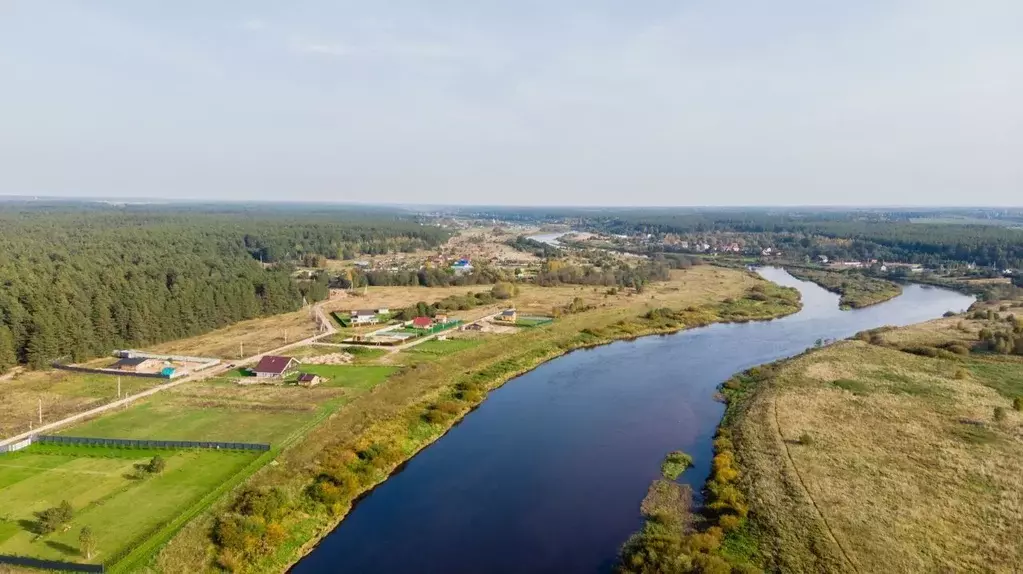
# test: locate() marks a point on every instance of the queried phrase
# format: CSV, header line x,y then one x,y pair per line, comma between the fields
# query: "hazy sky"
x,y
684,102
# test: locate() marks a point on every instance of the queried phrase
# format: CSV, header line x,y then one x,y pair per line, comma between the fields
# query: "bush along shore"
x,y
717,538
855,289
280,515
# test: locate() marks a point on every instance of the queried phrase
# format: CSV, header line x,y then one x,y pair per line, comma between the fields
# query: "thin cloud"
x,y
254,24
323,49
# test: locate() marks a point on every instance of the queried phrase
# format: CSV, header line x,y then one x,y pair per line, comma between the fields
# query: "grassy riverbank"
x,y
856,290
901,450
313,483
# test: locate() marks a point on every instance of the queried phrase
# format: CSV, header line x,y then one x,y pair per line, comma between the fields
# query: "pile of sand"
x,y
331,359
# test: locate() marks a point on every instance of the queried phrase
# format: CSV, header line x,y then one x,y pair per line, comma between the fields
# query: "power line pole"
x,y
241,350
118,387
40,411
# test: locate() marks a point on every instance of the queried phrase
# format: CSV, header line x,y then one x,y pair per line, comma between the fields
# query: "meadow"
x,y
856,290
866,456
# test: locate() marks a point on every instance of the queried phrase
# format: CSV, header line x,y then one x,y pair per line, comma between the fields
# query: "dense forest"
x,y
79,282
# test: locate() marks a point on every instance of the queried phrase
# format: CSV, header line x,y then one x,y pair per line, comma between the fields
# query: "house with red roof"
x,y
422,322
275,367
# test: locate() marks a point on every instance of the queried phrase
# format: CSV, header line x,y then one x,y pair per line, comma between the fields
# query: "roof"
x,y
307,377
508,312
358,312
422,322
131,362
273,364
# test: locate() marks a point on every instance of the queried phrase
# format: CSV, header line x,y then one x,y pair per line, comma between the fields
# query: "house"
x,y
461,267
508,315
422,322
275,367
472,327
440,318
364,317
309,379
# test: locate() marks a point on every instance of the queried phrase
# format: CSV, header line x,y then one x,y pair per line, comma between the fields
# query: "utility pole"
x,y
40,411
118,387
241,350
285,336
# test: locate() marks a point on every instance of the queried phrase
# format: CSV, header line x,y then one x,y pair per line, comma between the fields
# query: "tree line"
x,y
79,283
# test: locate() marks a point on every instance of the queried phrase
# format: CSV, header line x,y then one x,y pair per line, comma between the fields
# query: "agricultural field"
x,y
62,393
901,452
105,494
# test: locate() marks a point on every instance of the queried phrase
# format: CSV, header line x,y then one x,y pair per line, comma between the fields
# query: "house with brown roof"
x,y
309,379
275,367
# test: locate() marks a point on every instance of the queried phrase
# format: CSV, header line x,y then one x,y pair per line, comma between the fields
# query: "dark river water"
x,y
547,475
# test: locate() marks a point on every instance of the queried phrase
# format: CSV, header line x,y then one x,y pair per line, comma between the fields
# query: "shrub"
x,y
52,519
805,439
1000,414
729,522
961,374
675,464
1017,403
157,464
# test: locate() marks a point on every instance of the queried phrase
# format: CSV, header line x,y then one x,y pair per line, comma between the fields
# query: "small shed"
x,y
441,318
309,379
508,315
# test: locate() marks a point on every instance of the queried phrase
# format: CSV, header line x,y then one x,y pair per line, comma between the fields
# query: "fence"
x,y
15,446
115,372
49,564
146,443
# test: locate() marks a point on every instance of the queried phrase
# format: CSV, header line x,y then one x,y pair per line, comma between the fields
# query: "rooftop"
x,y
273,364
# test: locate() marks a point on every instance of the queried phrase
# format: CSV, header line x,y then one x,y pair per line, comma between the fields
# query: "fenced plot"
x,y
106,494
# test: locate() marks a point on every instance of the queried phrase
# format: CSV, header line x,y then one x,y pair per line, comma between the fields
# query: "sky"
x,y
531,102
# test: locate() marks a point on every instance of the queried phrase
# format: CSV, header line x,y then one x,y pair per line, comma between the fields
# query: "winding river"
x,y
548,473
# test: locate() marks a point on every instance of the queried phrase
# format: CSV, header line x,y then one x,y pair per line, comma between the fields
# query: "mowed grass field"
x,y
860,457
434,349
121,510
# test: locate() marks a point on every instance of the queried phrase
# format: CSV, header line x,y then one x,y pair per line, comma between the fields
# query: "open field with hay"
x,y
249,337
62,393
106,496
869,457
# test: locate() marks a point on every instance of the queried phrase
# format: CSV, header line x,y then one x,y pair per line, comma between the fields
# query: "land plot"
x,y
120,509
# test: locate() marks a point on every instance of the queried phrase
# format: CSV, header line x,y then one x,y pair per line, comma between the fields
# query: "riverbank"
x,y
363,444
900,450
856,290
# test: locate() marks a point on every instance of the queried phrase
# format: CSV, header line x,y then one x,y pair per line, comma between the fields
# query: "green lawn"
x,y
435,349
161,418
1001,374
351,376
121,510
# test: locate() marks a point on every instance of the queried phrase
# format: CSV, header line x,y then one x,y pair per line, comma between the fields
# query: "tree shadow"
x,y
65,548
31,526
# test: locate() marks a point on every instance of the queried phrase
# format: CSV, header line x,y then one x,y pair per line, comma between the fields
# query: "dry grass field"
x,y
866,458
257,335
62,393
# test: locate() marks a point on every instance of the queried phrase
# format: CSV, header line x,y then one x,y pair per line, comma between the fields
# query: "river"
x,y
548,473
